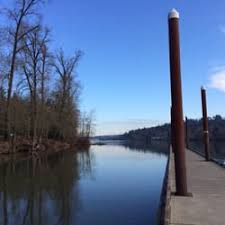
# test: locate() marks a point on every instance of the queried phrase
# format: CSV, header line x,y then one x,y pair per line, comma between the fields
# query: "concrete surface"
x,y
206,182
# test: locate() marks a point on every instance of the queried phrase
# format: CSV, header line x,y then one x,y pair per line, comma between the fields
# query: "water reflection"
x,y
158,147
40,190
107,185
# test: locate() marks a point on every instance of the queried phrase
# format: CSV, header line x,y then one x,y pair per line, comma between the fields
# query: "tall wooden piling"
x,y
177,106
205,124
171,127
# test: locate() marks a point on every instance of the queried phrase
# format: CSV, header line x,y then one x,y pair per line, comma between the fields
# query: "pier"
x,y
206,203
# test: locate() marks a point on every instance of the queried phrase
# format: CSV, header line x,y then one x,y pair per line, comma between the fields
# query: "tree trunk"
x,y
9,92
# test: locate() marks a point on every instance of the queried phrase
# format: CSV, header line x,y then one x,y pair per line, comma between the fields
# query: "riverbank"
x,y
22,145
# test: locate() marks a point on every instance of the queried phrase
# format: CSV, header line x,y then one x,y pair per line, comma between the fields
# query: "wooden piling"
x,y
177,107
205,124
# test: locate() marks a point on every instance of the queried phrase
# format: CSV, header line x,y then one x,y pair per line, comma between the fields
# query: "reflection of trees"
x,y
4,206
66,170
159,147
85,159
41,190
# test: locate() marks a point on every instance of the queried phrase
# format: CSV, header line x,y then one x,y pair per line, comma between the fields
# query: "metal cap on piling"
x,y
173,14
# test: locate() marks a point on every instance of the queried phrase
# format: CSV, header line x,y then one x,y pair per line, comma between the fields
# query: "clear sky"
x,y
125,68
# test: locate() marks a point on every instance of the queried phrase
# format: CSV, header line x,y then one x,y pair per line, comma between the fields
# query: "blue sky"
x,y
125,67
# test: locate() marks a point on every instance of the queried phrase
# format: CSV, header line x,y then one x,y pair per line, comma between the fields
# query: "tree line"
x,y
39,87
194,129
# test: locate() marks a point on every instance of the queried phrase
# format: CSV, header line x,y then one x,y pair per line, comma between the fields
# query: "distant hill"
x,y
216,131
108,137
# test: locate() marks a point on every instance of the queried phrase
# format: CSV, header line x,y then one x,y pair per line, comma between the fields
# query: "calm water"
x,y
110,185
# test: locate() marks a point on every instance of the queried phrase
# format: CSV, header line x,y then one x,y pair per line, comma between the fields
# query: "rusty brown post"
x,y
171,127
205,124
177,106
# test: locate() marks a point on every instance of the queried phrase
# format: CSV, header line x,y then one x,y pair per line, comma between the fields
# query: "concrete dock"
x,y
206,183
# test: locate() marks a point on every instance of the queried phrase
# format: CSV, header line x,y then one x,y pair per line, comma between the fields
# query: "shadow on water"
x,y
85,188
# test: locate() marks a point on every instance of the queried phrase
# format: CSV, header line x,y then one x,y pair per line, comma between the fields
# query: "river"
x,y
109,185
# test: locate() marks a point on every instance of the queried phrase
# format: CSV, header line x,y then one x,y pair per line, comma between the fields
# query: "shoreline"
x,y
26,146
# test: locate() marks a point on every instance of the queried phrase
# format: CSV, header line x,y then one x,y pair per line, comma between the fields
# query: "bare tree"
x,y
19,15
45,69
34,57
67,92
87,125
